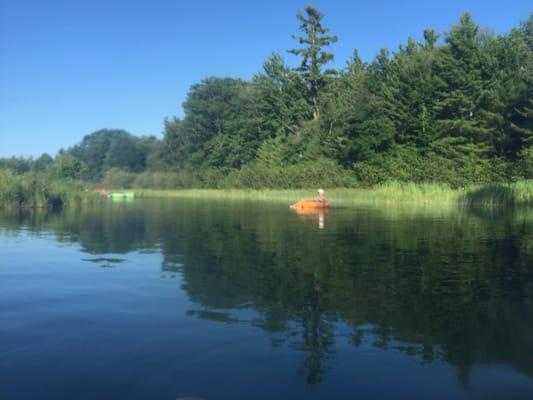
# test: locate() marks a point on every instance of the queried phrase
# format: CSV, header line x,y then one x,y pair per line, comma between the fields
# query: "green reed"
x,y
501,195
40,191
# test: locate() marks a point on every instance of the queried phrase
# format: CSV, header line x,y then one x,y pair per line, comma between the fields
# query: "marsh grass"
x,y
340,197
40,191
495,195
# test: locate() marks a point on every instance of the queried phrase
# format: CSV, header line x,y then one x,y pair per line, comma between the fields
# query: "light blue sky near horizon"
x,y
68,68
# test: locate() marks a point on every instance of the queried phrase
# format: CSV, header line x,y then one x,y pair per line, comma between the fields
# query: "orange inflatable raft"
x,y
310,204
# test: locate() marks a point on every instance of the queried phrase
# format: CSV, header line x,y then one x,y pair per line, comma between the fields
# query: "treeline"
x,y
454,108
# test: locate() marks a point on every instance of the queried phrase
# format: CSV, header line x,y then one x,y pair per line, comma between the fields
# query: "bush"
x,y
322,172
184,179
257,175
68,167
406,165
524,166
116,178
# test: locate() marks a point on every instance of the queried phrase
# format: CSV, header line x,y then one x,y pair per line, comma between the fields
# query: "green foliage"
x,y
39,190
69,168
313,56
116,178
42,163
18,165
218,129
280,104
476,197
321,172
458,112
495,195
354,121
106,149
524,164
21,165
404,165
183,179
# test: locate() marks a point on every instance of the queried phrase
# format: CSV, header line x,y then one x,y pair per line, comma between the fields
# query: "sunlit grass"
x,y
506,195
40,191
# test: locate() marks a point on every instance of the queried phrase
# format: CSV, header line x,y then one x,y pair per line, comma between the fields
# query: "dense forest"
x,y
456,108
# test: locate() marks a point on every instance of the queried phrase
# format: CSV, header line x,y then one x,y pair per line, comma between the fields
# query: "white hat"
x,y
320,190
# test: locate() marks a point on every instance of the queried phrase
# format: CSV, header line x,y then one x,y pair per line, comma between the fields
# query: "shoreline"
x,y
518,194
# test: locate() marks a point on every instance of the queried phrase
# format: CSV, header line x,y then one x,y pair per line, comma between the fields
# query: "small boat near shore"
x,y
310,204
121,195
314,203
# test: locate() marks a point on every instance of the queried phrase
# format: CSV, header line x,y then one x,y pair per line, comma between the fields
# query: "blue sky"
x,y
68,68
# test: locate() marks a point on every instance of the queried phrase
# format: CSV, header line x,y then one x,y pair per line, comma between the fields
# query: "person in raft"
x,y
317,202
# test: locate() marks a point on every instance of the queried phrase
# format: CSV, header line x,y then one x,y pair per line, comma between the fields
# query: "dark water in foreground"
x,y
164,299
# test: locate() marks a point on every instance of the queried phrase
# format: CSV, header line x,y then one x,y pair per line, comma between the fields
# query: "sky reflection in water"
x,y
170,298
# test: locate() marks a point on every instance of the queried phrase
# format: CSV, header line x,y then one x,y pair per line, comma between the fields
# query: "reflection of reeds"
x,y
501,195
39,191
496,195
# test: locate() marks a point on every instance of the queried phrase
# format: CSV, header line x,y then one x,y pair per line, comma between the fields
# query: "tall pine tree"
x,y
466,117
313,56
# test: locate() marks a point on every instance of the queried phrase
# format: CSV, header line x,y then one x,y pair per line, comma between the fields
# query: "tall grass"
x,y
384,194
501,195
39,191
494,195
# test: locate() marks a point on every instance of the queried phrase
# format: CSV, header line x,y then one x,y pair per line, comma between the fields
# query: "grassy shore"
x,y
32,190
40,190
495,195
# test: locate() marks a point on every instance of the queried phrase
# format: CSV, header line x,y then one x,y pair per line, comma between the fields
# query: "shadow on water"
x,y
453,286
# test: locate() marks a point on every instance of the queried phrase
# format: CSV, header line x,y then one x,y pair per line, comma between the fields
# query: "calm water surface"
x,y
165,299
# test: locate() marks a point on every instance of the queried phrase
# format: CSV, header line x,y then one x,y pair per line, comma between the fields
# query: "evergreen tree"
x,y
280,104
354,114
464,105
313,56
42,163
521,106
218,130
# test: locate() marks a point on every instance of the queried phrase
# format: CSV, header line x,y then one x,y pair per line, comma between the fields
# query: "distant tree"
x,y
355,116
408,85
109,148
281,106
155,154
217,130
177,144
18,165
518,88
313,56
42,163
524,131
431,37
465,109
460,110
68,167
124,153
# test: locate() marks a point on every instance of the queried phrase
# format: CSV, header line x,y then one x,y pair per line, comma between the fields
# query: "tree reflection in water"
x,y
433,284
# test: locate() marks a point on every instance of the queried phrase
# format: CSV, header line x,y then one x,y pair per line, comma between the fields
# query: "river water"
x,y
170,299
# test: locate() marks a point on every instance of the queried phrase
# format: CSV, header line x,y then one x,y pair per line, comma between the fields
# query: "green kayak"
x,y
122,196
